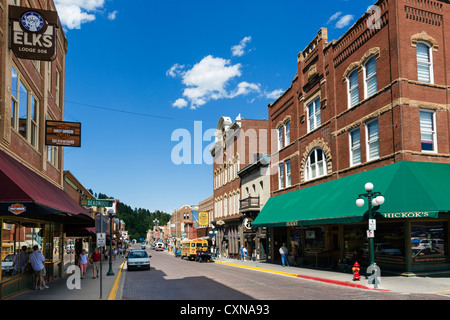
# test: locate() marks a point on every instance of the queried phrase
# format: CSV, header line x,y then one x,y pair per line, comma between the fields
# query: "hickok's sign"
x,y
33,33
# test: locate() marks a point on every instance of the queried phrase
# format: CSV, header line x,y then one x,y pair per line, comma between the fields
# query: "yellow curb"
x,y
112,293
258,269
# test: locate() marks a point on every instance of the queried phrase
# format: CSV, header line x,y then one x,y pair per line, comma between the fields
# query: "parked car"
x,y
138,259
143,247
8,265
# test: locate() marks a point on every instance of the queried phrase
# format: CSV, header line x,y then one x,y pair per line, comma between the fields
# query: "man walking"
x,y
284,257
36,259
96,257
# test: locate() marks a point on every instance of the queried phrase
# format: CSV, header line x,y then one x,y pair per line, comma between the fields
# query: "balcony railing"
x,y
250,203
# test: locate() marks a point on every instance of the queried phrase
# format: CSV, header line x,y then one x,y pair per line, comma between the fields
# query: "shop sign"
x,y
17,208
248,223
33,33
413,214
62,133
203,218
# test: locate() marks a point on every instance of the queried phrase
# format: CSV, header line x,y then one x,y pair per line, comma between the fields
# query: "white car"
x,y
138,259
7,264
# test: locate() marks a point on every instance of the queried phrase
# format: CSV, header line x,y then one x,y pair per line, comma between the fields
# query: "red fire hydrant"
x,y
355,270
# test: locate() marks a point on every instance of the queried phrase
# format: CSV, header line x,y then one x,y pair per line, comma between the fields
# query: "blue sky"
x,y
136,71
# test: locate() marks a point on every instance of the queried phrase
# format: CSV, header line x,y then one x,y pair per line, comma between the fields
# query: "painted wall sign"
x,y
33,33
17,208
414,214
62,133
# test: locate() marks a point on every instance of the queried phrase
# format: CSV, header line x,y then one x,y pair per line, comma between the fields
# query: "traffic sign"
x,y
372,224
96,203
101,240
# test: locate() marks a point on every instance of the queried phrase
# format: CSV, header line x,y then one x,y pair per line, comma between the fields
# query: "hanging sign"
x,y
62,133
33,33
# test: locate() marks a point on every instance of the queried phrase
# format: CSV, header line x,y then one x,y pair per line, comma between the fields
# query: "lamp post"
x,y
111,215
374,199
212,234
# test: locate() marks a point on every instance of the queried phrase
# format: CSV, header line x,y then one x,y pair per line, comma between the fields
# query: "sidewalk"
x,y
90,288
436,284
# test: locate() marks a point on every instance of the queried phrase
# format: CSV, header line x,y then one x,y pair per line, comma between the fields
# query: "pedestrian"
x,y
245,253
36,259
242,252
95,258
284,257
83,261
21,260
294,254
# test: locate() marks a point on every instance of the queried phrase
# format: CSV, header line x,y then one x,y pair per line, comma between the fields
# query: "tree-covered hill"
x,y
137,220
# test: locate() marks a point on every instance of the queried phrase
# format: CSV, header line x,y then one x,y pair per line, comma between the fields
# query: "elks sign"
x,y
33,33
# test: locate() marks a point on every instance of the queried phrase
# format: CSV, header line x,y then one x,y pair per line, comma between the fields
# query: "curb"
x,y
113,292
335,282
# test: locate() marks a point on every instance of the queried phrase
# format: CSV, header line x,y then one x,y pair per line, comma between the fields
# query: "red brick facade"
x,y
323,71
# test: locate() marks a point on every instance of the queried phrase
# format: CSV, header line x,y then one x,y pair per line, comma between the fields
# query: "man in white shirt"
x,y
36,259
284,257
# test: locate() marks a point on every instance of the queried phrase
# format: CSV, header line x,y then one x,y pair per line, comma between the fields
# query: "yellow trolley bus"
x,y
196,249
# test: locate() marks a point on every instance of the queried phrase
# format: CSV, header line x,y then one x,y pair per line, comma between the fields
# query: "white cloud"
x,y
239,49
73,13
334,17
208,80
112,15
275,94
175,70
180,103
344,21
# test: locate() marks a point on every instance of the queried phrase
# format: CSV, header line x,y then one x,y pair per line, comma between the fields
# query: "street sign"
x,y
96,203
101,240
372,224
370,234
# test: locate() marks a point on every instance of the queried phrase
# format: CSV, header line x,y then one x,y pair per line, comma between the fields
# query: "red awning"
x,y
18,184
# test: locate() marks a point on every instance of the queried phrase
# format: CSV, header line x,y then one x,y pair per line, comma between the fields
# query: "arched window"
x,y
316,164
353,91
370,77
225,206
424,62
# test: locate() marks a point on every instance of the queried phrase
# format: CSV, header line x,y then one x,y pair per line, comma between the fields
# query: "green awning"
x,y
411,189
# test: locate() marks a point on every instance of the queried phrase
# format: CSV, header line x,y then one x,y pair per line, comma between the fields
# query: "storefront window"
x,y
314,239
428,241
388,242
18,240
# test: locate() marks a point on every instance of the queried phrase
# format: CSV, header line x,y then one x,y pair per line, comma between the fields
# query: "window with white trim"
x,y
355,147
287,133
288,173
316,164
313,109
280,176
280,137
428,130
424,62
373,145
353,91
370,77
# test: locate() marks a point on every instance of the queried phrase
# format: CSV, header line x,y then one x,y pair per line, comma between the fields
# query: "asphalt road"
x,y
171,278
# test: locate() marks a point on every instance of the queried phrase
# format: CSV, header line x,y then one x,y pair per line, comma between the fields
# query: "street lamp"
x,y
374,199
212,234
111,216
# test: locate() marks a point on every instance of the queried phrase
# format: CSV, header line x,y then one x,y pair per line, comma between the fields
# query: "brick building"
x,y
373,104
35,210
236,144
182,225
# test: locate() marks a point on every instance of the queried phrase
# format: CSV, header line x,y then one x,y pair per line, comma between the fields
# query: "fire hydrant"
x,y
355,270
